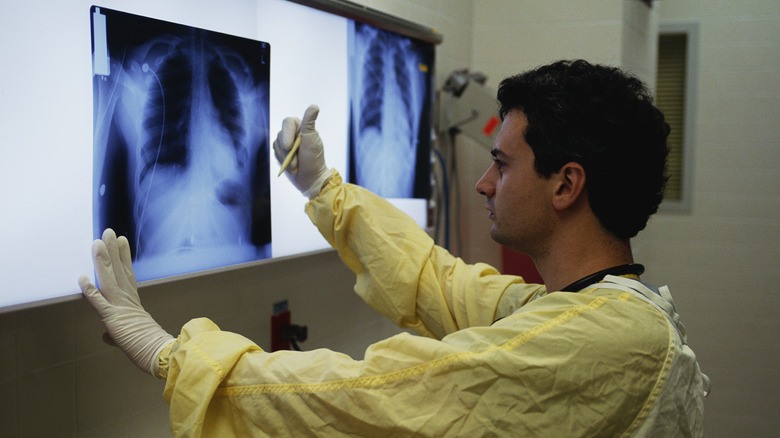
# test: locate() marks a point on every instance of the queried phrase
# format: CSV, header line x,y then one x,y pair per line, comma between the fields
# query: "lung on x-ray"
x,y
180,143
390,103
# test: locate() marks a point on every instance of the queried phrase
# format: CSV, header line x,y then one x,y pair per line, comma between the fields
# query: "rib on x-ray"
x,y
181,145
390,104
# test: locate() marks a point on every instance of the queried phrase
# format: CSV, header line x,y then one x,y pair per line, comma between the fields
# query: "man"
x,y
578,169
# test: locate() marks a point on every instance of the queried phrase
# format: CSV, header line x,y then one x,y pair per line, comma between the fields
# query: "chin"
x,y
502,239
497,236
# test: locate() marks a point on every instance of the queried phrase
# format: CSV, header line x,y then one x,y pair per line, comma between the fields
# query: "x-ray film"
x,y
180,143
390,104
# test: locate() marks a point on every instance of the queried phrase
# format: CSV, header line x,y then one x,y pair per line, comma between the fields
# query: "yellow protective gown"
x,y
496,356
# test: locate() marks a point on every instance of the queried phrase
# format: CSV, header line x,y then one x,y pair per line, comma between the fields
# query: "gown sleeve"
x,y
401,273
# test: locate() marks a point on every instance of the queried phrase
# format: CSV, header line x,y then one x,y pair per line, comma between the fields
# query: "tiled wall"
x,y
639,40
722,259
514,35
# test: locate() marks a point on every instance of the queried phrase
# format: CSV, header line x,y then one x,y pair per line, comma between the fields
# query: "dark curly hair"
x,y
603,119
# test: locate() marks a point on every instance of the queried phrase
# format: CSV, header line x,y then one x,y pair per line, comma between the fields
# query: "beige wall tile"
x,y
8,406
45,337
8,326
152,423
108,386
46,402
116,429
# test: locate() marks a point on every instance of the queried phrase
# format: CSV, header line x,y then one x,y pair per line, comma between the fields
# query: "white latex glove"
x,y
307,170
131,328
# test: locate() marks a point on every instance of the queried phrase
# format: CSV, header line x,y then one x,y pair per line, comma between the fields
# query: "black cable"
x,y
629,269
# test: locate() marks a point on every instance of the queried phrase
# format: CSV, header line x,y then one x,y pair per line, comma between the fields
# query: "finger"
x,y
281,154
126,262
103,270
309,117
286,137
84,283
93,295
293,166
278,150
285,140
126,259
109,237
120,273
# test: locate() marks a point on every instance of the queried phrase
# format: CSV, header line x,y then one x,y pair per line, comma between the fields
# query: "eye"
x,y
498,163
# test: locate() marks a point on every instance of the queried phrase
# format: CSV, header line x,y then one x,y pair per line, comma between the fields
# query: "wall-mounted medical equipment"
x,y
468,106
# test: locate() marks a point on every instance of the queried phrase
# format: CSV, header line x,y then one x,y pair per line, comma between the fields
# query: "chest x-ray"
x,y
180,143
390,100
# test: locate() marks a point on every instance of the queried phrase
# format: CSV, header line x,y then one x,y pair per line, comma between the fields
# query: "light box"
x,y
87,143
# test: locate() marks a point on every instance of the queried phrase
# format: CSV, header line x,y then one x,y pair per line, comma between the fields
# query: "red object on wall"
x,y
516,263
490,126
277,321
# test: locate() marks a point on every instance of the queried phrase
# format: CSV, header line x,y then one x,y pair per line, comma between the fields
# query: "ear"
x,y
570,185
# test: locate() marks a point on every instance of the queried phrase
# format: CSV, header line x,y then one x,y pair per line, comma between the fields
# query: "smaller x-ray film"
x,y
391,83
180,143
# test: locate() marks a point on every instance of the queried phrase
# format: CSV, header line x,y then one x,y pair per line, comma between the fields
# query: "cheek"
x,y
508,203
509,190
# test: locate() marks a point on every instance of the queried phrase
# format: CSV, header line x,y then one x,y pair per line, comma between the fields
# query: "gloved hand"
x,y
131,328
307,170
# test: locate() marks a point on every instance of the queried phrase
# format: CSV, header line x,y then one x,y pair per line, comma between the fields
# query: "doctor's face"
x,y
519,200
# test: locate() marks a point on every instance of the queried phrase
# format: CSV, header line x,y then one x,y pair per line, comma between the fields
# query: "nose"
x,y
485,186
